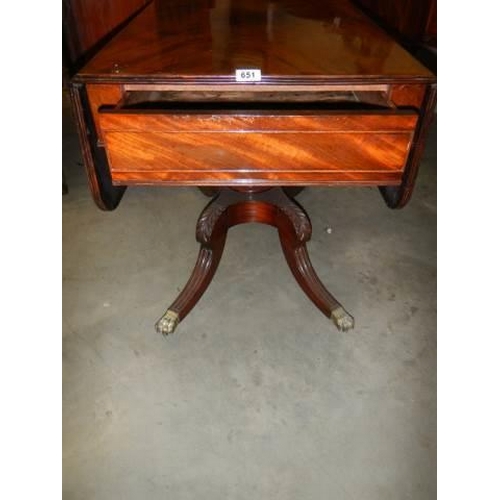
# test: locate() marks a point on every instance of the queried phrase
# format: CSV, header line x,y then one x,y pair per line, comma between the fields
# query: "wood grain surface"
x,y
222,149
291,41
87,22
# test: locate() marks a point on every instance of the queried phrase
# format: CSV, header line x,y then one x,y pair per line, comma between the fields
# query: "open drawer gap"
x,y
257,101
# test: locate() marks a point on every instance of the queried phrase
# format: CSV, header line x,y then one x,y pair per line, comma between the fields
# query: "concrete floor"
x,y
256,395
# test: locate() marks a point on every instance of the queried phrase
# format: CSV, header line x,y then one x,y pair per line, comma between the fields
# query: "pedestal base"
x,y
272,206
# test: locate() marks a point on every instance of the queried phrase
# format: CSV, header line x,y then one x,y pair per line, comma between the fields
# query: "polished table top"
x,y
291,41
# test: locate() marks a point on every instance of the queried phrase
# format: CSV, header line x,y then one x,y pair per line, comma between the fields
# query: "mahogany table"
x,y
252,100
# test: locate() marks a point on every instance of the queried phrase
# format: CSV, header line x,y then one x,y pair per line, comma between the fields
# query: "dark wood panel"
x,y
105,195
87,22
413,20
430,32
398,197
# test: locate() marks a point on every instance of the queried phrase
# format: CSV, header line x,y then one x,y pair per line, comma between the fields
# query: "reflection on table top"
x,y
291,41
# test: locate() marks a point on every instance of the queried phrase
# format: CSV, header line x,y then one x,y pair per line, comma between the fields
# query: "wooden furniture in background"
x,y
86,23
339,103
415,21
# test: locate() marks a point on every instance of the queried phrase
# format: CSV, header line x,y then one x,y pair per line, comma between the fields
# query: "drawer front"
x,y
242,148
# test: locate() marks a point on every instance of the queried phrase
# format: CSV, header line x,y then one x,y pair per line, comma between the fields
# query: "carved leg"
x,y
270,206
211,233
295,230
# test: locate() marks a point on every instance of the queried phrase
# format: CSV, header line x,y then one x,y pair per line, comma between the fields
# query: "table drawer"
x,y
240,147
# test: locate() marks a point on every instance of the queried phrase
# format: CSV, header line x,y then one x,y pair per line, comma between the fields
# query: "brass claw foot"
x,y
167,323
342,319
